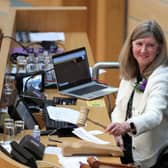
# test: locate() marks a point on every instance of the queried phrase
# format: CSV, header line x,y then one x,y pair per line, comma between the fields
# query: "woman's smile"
x,y
145,50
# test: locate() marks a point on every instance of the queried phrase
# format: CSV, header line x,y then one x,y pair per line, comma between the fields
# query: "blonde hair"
x,y
128,65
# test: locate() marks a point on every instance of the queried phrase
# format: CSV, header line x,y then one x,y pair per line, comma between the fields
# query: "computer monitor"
x,y
24,81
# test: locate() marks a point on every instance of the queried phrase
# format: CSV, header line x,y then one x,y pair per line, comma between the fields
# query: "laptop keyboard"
x,y
88,89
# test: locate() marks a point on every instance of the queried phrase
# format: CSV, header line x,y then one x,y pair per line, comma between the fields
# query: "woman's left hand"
x,y
118,129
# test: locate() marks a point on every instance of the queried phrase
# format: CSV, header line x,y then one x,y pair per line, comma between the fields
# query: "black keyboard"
x,y
61,132
88,89
53,124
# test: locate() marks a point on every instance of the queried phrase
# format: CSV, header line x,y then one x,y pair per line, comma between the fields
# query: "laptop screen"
x,y
71,68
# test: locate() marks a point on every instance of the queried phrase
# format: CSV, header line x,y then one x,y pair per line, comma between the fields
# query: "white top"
x,y
149,114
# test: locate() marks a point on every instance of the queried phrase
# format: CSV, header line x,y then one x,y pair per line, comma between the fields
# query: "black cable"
x,y
49,70
24,47
12,38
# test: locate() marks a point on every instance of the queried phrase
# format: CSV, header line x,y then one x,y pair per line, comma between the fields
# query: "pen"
x,y
96,123
52,145
54,140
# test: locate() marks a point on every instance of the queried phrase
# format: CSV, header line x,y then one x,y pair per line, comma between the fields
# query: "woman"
x,y
140,118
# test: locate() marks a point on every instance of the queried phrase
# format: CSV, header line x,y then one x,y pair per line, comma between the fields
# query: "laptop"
x,y
74,78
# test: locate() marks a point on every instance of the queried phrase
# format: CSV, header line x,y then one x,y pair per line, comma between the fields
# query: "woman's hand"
x,y
118,129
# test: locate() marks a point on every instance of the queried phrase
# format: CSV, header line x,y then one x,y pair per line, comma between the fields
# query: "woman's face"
x,y
145,51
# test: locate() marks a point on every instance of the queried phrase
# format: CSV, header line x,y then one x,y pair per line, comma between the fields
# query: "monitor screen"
x,y
71,68
29,80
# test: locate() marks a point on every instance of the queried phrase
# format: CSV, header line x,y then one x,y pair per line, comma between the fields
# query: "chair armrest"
x,y
103,65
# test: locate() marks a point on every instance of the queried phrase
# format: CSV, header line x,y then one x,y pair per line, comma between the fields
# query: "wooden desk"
x,y
72,40
98,111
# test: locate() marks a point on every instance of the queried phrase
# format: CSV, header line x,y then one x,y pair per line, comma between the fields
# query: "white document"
x,y
96,132
85,135
63,114
46,36
66,162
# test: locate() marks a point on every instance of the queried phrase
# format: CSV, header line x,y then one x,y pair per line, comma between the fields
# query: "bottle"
x,y
31,64
36,133
40,60
49,72
21,64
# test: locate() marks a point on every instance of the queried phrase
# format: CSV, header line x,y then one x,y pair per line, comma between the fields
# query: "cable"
x,y
49,70
20,44
50,138
12,38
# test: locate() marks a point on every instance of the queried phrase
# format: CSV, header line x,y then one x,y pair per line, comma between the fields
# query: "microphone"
x,y
36,100
34,95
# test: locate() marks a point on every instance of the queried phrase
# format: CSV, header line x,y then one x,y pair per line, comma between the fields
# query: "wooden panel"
x,y
115,28
7,25
7,162
4,13
107,35
56,2
158,11
71,19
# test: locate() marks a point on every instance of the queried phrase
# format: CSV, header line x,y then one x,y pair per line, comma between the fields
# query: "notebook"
x,y
74,78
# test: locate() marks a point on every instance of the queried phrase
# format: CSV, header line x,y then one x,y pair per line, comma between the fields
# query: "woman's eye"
x,y
138,44
151,45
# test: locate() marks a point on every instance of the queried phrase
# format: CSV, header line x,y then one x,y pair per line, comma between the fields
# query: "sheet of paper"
x,y
96,132
7,146
46,36
66,162
63,114
85,135
96,103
